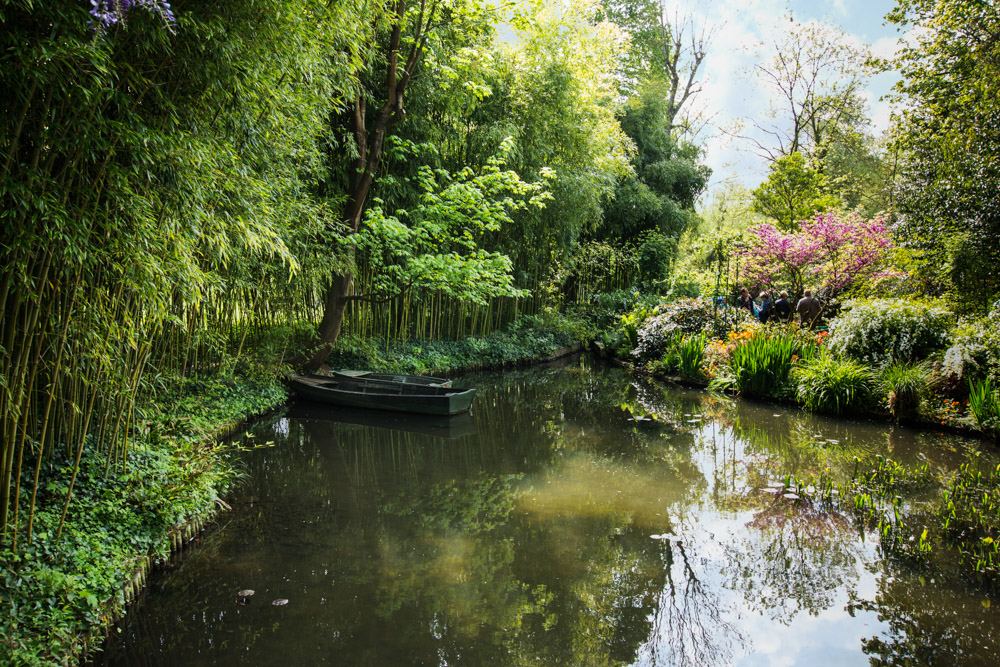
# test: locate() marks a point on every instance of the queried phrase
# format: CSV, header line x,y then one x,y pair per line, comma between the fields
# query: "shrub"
x,y
984,404
974,353
684,356
761,365
684,316
881,331
631,322
903,385
833,385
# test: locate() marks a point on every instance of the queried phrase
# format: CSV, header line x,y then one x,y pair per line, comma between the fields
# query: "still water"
x,y
552,527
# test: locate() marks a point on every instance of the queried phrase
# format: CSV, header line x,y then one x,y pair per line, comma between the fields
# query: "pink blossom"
x,y
832,251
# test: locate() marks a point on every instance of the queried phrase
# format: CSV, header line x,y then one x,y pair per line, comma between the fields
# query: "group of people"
x,y
767,309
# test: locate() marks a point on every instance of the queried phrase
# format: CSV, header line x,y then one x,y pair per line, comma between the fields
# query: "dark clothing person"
x,y
783,309
808,309
745,301
766,310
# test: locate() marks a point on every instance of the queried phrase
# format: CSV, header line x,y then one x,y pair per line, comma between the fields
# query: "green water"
x,y
551,528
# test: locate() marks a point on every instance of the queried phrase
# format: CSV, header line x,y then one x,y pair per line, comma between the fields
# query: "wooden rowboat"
x,y
369,376
398,397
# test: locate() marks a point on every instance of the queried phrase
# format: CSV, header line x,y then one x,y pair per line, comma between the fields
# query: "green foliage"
x,y
969,513
902,386
948,142
158,196
528,339
984,404
881,331
792,192
435,245
655,253
826,383
56,592
683,356
761,365
668,179
875,496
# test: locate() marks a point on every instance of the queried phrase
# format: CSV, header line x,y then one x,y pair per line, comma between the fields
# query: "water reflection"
x,y
580,517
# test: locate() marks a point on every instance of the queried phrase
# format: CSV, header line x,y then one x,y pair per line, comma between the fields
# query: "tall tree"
x,y
949,143
793,192
671,50
403,30
815,74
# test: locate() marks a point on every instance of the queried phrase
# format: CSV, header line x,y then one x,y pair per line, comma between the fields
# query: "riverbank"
x,y
527,341
62,591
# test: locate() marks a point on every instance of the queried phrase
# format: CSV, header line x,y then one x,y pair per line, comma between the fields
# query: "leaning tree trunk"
x,y
334,307
370,141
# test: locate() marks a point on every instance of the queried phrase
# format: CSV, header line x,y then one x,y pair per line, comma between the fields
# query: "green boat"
x,y
395,396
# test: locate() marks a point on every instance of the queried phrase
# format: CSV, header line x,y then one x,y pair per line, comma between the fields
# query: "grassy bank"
x,y
60,591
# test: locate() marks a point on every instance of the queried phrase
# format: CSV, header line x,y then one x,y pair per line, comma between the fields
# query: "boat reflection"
x,y
440,426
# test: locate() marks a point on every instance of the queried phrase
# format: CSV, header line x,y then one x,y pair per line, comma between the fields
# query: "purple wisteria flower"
x,y
107,13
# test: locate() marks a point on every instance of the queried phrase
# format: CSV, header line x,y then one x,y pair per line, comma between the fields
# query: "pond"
x,y
580,516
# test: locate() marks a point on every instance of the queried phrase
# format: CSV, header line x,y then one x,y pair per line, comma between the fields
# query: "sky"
x,y
743,35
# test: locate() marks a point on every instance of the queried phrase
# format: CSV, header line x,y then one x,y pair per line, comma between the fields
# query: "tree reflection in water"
x,y
690,626
796,558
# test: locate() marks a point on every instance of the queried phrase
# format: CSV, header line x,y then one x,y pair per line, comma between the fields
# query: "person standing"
x,y
745,300
766,307
782,308
808,309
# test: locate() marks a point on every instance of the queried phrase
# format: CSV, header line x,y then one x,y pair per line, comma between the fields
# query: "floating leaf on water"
x,y
792,496
772,489
246,593
666,536
280,602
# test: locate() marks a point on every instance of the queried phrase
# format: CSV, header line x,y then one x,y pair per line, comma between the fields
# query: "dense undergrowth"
x,y
527,339
58,592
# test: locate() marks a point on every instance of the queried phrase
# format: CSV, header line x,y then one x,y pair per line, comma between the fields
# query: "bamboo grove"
x,y
173,181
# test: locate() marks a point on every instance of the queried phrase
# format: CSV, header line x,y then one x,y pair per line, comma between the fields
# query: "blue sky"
x,y
745,32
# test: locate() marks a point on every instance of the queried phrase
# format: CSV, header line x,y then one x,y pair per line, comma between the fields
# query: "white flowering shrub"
x,y
882,331
974,351
681,317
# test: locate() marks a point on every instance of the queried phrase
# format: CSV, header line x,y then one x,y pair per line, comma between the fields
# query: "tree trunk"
x,y
370,141
334,307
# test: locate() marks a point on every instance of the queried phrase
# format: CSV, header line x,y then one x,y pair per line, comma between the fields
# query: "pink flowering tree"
x,y
831,252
